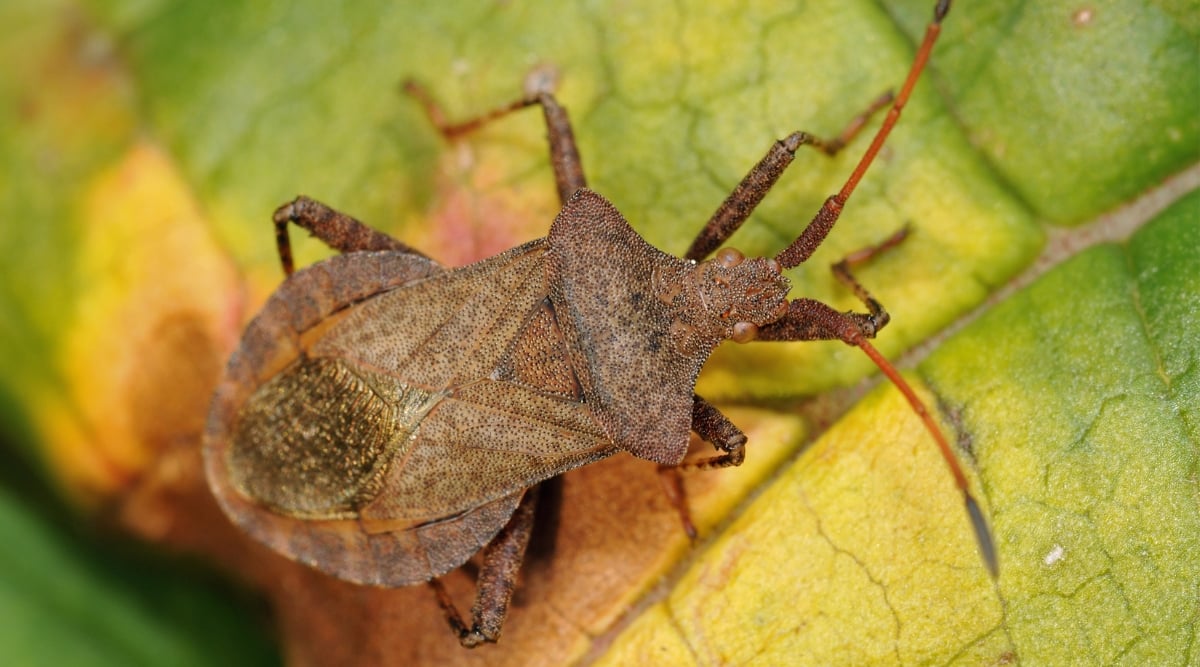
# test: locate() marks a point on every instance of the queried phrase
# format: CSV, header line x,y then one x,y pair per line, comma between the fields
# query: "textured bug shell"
x,y
383,416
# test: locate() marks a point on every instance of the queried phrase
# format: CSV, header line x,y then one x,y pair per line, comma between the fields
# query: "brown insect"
x,y
385,418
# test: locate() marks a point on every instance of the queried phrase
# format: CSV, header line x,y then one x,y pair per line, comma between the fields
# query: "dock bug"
x,y
385,418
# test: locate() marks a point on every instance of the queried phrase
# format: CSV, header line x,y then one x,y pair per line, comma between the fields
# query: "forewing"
x,y
484,441
447,330
486,435
457,345
479,436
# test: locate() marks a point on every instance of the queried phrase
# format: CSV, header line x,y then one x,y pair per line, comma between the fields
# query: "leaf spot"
x,y
1055,555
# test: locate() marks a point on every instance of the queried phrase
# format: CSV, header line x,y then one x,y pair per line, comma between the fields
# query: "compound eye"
x,y
729,257
744,332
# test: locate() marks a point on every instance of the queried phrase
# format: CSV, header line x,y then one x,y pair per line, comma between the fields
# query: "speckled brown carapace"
x,y
448,390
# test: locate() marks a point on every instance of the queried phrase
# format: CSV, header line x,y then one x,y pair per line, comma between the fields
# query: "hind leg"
x,y
502,559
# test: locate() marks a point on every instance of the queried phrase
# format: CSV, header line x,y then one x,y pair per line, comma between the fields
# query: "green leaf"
x,y
1078,106
696,136
1087,446
67,602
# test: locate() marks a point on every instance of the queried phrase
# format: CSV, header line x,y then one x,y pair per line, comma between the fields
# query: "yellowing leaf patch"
x,y
157,306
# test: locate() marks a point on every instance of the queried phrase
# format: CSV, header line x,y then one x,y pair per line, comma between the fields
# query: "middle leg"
x,y
539,87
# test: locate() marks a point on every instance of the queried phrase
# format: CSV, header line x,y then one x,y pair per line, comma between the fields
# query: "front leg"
x,y
716,429
337,230
808,319
740,203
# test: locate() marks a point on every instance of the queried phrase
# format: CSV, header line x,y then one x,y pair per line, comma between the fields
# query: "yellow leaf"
x,y
157,308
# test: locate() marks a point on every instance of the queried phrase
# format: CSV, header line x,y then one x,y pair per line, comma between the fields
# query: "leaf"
x,y
1089,465
1056,63
63,604
146,144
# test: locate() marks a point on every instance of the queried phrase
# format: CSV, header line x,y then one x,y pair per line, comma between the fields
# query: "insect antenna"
x,y
983,534
813,235
800,249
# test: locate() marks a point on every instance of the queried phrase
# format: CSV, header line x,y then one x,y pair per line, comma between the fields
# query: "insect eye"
x,y
729,257
744,332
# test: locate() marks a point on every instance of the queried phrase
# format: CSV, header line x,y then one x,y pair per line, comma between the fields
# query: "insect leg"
x,y
502,559
808,319
740,203
337,230
714,427
841,271
717,429
672,482
539,87
546,520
